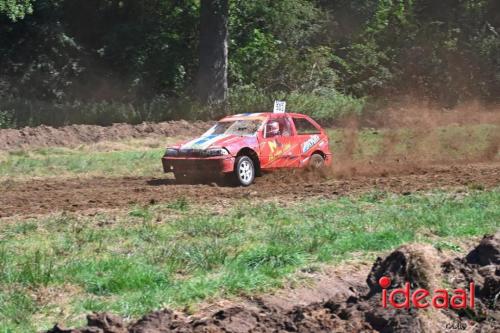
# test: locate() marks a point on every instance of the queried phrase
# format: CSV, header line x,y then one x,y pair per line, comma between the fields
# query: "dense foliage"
x,y
67,61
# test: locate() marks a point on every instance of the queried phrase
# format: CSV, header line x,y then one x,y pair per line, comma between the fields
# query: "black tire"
x,y
244,171
316,162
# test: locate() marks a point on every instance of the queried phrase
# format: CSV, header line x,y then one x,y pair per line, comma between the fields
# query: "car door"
x,y
276,149
307,137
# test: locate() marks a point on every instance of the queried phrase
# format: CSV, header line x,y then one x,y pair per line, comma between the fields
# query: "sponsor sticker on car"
x,y
311,142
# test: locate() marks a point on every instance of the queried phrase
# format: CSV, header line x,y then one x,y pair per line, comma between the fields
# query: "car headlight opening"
x,y
171,152
217,152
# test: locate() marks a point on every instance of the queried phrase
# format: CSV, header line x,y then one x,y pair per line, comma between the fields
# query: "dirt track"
x,y
47,196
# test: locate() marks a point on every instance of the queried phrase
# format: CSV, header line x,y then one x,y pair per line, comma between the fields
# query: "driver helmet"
x,y
273,128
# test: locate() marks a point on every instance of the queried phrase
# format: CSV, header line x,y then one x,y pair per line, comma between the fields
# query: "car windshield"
x,y
235,127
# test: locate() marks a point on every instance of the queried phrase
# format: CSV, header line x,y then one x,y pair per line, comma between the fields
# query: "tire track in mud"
x,y
48,196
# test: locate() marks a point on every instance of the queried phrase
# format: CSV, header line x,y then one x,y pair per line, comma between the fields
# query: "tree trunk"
x,y
212,76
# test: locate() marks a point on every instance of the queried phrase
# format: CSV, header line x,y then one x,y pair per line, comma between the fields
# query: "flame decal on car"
x,y
277,150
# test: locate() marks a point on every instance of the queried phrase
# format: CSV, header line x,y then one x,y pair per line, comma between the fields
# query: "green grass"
x,y
142,157
178,254
125,158
66,162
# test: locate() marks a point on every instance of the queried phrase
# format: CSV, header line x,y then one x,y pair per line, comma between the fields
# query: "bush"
x,y
248,98
19,113
6,120
324,105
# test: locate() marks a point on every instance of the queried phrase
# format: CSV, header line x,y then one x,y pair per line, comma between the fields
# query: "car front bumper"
x,y
209,165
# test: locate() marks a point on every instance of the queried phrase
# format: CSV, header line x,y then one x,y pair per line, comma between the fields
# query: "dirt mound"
x,y
68,136
358,311
487,253
416,264
482,266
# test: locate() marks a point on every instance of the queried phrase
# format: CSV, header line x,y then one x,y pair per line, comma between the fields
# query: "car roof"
x,y
259,116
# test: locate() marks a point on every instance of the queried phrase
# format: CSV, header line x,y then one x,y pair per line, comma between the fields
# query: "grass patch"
x,y
71,162
146,259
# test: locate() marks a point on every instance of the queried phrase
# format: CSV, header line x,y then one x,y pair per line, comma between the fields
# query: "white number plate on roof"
x,y
279,107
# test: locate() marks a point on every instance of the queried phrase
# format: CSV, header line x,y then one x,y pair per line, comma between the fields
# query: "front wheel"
x,y
244,171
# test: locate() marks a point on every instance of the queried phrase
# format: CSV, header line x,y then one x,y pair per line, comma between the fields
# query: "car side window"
x,y
284,127
305,127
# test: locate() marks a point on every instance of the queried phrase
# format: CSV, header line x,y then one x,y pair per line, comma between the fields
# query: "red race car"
x,y
244,145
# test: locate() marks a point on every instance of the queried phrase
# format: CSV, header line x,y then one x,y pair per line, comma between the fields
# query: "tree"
x,y
212,83
15,9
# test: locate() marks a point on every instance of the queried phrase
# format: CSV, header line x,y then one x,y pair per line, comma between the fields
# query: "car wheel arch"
x,y
253,155
319,152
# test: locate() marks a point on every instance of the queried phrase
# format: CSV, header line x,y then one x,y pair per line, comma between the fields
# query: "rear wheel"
x,y
244,171
316,162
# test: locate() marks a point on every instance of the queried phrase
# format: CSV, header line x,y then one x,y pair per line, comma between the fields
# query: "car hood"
x,y
210,141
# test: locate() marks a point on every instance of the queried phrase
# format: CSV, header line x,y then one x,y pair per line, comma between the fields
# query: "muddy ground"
x,y
47,196
74,135
344,303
